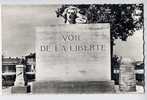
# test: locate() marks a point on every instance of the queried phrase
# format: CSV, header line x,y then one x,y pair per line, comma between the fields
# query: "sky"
x,y
18,27
18,31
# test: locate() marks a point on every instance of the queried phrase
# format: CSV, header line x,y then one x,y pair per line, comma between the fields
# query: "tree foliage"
x,y
124,19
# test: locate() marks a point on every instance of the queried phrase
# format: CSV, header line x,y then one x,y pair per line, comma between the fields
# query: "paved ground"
x,y
6,91
140,89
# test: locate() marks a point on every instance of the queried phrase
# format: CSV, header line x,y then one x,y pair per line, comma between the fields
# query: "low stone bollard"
x,y
127,81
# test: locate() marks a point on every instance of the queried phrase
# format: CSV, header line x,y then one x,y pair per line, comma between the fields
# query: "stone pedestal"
x,y
72,87
19,81
73,59
19,85
127,79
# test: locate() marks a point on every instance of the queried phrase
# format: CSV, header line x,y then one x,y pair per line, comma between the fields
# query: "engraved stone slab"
x,y
75,52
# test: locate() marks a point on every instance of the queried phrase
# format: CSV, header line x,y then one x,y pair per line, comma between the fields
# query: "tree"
x,y
124,19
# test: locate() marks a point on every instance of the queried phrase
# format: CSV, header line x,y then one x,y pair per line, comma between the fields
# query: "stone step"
x,y
73,87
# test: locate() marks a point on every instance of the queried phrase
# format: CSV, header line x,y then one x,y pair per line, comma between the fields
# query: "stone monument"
x,y
19,85
73,58
127,81
19,81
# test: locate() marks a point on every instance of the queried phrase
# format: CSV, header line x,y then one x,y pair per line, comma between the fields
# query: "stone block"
x,y
20,89
73,87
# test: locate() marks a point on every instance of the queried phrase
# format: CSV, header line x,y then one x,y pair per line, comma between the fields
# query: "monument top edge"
x,y
74,26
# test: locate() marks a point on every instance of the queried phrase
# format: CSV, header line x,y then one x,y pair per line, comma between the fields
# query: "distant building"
x,y
9,70
140,72
30,62
115,69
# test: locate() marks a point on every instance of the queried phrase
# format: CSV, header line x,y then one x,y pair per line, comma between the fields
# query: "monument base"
x,y
75,87
20,89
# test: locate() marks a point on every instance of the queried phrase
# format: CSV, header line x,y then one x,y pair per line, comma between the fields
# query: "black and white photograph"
x,y
73,49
